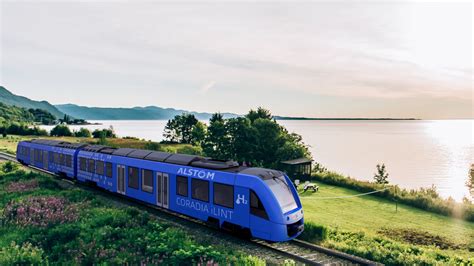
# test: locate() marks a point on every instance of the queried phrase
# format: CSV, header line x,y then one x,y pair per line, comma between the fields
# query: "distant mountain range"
x,y
8,98
135,113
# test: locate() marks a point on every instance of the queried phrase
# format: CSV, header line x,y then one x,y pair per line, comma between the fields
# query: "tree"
x,y
66,119
260,113
470,180
105,133
179,129
381,177
198,133
83,133
61,130
216,143
42,116
254,139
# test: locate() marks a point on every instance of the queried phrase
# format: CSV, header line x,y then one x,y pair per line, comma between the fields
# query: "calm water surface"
x,y
416,153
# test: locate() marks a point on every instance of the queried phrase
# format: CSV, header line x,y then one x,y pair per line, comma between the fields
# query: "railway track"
x,y
301,251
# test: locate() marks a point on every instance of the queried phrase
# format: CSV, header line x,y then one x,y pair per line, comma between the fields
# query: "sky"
x,y
313,59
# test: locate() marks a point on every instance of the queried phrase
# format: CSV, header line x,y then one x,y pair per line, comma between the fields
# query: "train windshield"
x,y
282,192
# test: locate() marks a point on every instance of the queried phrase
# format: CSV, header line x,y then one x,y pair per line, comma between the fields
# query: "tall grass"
x,y
379,248
425,198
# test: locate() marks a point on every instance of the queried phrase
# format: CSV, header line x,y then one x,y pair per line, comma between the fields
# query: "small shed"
x,y
297,168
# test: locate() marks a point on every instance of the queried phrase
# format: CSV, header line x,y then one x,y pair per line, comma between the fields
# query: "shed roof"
x,y
298,161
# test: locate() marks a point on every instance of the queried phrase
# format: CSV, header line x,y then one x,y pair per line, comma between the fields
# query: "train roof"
x,y
58,143
165,157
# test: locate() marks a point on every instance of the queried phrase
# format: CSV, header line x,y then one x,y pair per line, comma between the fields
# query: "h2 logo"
x,y
241,199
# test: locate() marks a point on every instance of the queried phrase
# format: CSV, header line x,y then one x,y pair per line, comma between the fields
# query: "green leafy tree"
x,y
66,119
470,180
42,116
259,113
106,133
381,177
83,133
242,140
61,130
255,139
180,128
216,143
198,133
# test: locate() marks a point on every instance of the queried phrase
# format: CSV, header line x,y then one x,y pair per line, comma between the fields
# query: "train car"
x,y
259,202
51,155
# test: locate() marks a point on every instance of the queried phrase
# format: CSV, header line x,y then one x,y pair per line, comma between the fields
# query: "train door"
x,y
32,156
162,195
121,179
45,160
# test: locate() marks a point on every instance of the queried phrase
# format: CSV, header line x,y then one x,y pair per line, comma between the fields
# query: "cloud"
x,y
204,89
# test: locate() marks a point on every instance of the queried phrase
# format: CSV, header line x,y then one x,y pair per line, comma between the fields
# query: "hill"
x,y
8,98
10,114
135,113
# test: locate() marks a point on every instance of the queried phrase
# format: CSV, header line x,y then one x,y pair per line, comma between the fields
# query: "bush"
x,y
192,150
154,146
40,211
83,133
22,129
9,167
314,232
60,131
25,254
104,133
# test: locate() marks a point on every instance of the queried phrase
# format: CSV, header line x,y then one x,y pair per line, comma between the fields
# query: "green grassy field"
x,y
377,217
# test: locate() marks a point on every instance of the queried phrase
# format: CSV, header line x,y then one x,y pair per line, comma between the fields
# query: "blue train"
x,y
261,203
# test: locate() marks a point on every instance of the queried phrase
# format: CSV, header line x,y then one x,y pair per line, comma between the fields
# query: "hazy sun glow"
x,y
343,59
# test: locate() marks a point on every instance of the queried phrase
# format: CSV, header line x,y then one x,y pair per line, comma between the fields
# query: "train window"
x,y
99,167
90,166
108,169
147,181
68,160
56,158
224,195
256,206
200,189
182,186
133,177
82,164
62,160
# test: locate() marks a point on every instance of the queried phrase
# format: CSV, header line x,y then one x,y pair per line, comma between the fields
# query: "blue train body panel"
x,y
262,201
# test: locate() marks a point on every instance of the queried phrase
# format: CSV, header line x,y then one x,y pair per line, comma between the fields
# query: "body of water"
x,y
416,153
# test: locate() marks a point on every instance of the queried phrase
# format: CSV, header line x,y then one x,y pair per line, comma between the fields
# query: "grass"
x,y
93,231
376,217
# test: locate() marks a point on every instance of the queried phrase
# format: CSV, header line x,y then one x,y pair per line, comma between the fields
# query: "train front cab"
x,y
276,212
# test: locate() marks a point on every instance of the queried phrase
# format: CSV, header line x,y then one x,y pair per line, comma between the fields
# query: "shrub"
x,y
22,186
40,211
9,167
25,254
154,146
104,133
313,232
193,150
83,133
60,131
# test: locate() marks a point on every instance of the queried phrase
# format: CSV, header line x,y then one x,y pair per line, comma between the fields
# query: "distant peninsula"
x,y
346,118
